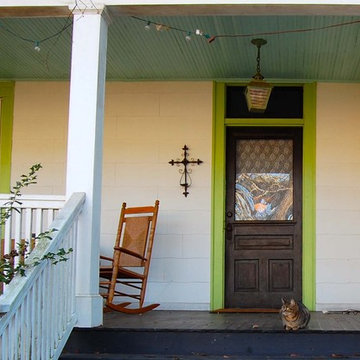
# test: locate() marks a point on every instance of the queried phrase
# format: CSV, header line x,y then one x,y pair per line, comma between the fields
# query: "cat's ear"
x,y
292,302
283,300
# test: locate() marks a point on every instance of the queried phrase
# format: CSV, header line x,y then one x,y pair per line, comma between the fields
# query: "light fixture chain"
x,y
258,70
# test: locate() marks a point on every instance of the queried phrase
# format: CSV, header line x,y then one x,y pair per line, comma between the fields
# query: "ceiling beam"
x,y
234,10
33,11
189,10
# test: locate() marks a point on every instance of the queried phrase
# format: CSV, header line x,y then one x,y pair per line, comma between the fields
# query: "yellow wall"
x,y
40,133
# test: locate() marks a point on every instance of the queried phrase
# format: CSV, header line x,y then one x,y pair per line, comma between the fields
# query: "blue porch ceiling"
x,y
331,54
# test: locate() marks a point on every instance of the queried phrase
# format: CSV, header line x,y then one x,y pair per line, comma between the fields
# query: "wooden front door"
x,y
263,230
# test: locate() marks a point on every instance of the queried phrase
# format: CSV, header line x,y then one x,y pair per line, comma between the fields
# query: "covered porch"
x,y
135,97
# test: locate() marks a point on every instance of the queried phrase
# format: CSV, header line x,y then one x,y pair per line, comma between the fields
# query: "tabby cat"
x,y
294,314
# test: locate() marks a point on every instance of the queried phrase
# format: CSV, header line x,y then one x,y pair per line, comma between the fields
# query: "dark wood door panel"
x,y
263,257
246,275
281,275
262,282
254,242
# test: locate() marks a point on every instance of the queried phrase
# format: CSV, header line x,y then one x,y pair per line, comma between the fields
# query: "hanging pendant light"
x,y
258,91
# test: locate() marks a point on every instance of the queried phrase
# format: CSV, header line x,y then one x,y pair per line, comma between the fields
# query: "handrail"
x,y
34,200
40,307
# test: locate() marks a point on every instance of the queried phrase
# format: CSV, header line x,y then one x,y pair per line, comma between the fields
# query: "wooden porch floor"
x,y
200,335
206,321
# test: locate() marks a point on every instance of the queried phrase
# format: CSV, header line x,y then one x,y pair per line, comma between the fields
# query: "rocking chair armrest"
x,y
129,252
102,257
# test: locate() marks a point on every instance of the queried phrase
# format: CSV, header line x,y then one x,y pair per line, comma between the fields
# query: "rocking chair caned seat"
x,y
128,269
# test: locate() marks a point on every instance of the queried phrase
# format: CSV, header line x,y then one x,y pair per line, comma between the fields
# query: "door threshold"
x,y
246,310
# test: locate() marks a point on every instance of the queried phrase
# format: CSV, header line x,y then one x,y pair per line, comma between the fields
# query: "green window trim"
x,y
217,281
6,127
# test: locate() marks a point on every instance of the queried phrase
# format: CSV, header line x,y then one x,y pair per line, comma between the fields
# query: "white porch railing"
x,y
39,309
33,216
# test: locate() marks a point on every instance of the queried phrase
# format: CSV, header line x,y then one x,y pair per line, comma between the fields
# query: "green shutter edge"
x,y
6,126
217,271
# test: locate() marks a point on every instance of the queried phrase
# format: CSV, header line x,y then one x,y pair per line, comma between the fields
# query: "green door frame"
x,y
308,123
6,126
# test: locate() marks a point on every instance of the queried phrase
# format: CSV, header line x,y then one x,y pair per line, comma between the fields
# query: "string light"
x,y
36,42
37,46
147,27
211,38
160,27
289,31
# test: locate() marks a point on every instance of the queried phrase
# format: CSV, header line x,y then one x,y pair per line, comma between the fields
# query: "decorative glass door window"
x,y
264,179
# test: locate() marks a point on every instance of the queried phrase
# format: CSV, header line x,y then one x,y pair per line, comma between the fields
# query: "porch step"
x,y
140,344
184,357
200,335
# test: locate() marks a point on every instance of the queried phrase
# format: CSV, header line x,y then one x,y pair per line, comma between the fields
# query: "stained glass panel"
x,y
264,180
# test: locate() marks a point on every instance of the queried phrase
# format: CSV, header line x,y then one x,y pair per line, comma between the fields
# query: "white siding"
x,y
338,196
146,125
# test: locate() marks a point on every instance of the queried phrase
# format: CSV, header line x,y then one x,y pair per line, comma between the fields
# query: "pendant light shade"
x,y
258,91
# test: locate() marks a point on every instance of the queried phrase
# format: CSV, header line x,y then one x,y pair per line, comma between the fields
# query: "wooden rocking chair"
x,y
130,264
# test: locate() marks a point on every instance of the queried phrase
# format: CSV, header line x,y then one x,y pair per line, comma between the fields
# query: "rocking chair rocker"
x,y
126,276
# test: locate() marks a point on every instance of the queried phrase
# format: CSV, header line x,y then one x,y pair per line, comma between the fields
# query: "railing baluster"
x,y
39,313
4,344
48,316
28,325
52,308
50,216
16,336
23,330
16,228
28,227
42,329
40,308
33,320
9,351
38,221
7,244
61,305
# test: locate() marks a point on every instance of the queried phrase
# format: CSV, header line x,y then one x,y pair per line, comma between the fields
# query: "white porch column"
x,y
84,157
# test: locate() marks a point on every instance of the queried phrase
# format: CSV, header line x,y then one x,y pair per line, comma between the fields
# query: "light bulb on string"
x,y
147,27
37,46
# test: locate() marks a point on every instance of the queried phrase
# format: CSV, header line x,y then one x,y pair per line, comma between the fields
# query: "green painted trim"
x,y
218,200
309,197
264,122
219,192
6,126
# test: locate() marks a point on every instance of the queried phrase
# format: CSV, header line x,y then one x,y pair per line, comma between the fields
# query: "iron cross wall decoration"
x,y
185,180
